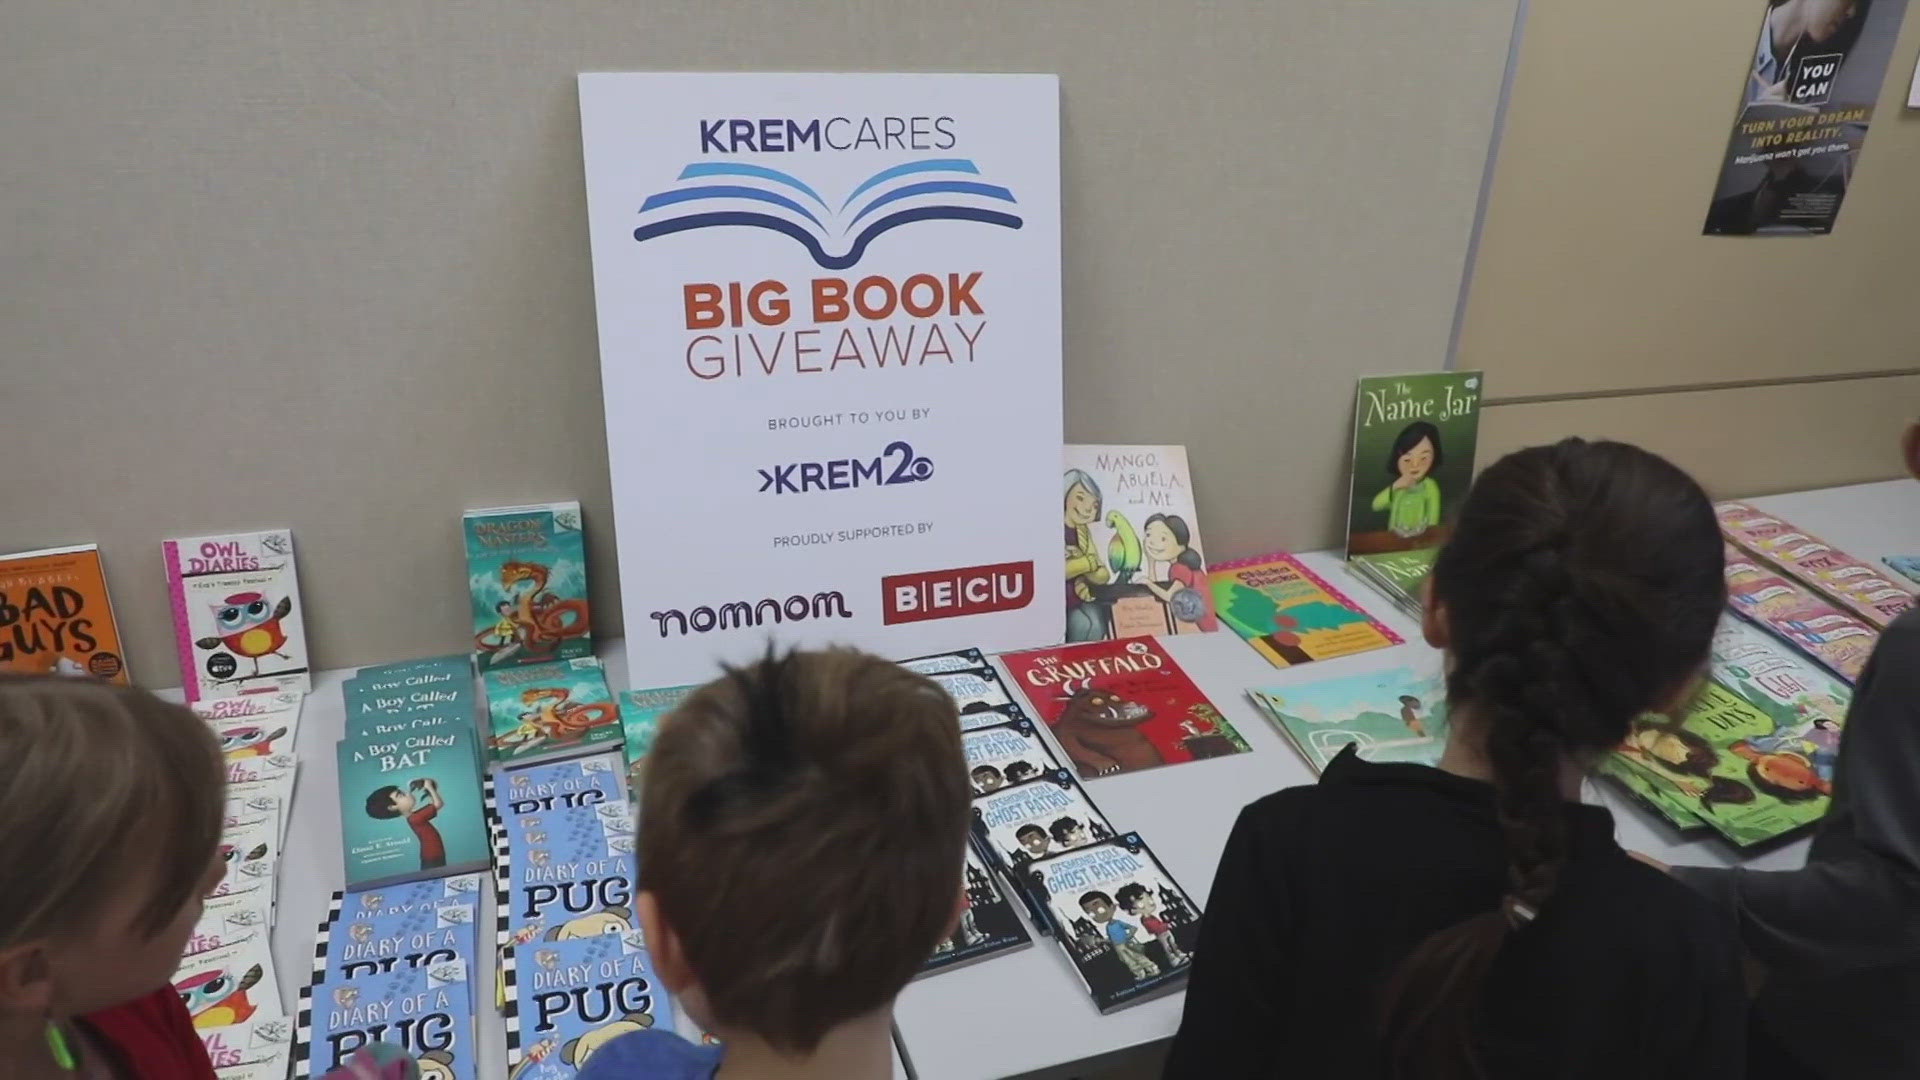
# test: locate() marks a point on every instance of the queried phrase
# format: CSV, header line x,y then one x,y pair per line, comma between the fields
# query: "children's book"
x,y
1414,438
957,660
1289,614
1135,561
410,808
559,785
1856,586
976,716
1749,766
446,682
409,940
251,1050
258,725
1118,706
1400,576
640,714
1128,928
1797,615
569,998
1393,715
527,571
1042,817
427,1012
237,615
374,903
988,925
973,688
229,985
1907,566
546,710
571,837
1010,753
55,616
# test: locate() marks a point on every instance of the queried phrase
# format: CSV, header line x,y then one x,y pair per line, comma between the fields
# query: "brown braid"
x,y
1580,588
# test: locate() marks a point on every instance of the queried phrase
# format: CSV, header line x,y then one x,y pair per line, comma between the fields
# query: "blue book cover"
x,y
527,571
1394,715
558,785
410,808
409,690
547,899
427,1012
577,835
1120,917
544,710
570,998
418,936
372,904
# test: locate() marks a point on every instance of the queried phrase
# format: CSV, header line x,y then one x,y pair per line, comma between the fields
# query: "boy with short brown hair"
x,y
802,828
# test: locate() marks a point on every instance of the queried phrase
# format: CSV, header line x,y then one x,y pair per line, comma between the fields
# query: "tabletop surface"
x,y
1030,1001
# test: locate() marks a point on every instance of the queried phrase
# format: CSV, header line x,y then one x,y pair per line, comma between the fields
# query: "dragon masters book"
x,y
527,571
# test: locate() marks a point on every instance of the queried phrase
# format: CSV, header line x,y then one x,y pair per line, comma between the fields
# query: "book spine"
x,y
182,631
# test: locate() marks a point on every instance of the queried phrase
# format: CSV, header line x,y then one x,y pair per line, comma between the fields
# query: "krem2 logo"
x,y
743,614
897,464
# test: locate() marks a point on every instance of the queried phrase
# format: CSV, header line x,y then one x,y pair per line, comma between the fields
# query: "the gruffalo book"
x,y
1118,706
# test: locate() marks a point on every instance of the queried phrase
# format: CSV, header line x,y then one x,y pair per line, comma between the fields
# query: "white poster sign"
x,y
829,313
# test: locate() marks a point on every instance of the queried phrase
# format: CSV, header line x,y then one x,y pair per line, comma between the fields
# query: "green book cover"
x,y
424,691
410,807
546,710
388,726
1394,715
1745,763
1413,447
527,571
640,713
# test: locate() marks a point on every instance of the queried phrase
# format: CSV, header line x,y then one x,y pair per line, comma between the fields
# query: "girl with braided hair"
x,y
1476,920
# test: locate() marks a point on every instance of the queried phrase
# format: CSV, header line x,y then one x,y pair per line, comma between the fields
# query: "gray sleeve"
x,y
1829,918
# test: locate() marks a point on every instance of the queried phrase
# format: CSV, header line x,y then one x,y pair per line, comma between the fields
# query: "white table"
x,y
311,869
1026,1012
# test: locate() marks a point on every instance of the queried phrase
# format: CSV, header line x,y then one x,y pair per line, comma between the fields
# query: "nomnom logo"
x,y
743,614
949,594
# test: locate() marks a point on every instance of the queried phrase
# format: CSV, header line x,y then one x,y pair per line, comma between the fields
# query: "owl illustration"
x,y
249,741
216,999
249,626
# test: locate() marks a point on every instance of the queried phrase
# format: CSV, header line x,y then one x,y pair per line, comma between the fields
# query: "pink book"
x,y
237,614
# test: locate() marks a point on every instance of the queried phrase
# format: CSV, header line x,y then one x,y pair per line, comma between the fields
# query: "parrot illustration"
x,y
215,999
250,627
1123,550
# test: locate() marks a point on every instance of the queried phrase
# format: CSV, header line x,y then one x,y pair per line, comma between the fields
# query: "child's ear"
x,y
26,980
669,959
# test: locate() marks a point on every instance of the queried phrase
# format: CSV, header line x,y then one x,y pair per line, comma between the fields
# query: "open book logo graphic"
x,y
712,194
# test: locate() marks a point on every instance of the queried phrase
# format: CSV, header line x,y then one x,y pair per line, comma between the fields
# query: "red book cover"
x,y
1118,706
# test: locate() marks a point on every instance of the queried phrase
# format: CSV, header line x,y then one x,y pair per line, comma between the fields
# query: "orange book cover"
x,y
55,615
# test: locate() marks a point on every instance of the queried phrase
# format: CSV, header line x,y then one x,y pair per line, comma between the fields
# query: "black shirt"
x,y
1323,890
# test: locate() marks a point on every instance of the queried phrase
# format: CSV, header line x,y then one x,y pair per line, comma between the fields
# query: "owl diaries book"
x,y
1414,438
1118,706
237,614
1136,566
410,807
55,616
1128,928
1289,614
427,1012
229,985
988,925
527,572
546,710
569,998
1857,586
1394,715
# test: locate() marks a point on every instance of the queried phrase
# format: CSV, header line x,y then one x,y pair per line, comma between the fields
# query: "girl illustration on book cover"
x,y
1412,501
1087,618
1176,572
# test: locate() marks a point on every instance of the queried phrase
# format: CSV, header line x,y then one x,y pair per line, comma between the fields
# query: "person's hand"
x,y
1651,861
1403,483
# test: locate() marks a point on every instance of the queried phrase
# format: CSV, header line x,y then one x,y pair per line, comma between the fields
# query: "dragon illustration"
x,y
540,620
552,716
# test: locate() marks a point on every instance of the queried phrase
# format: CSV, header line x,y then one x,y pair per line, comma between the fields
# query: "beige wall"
x,y
1597,308
324,264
